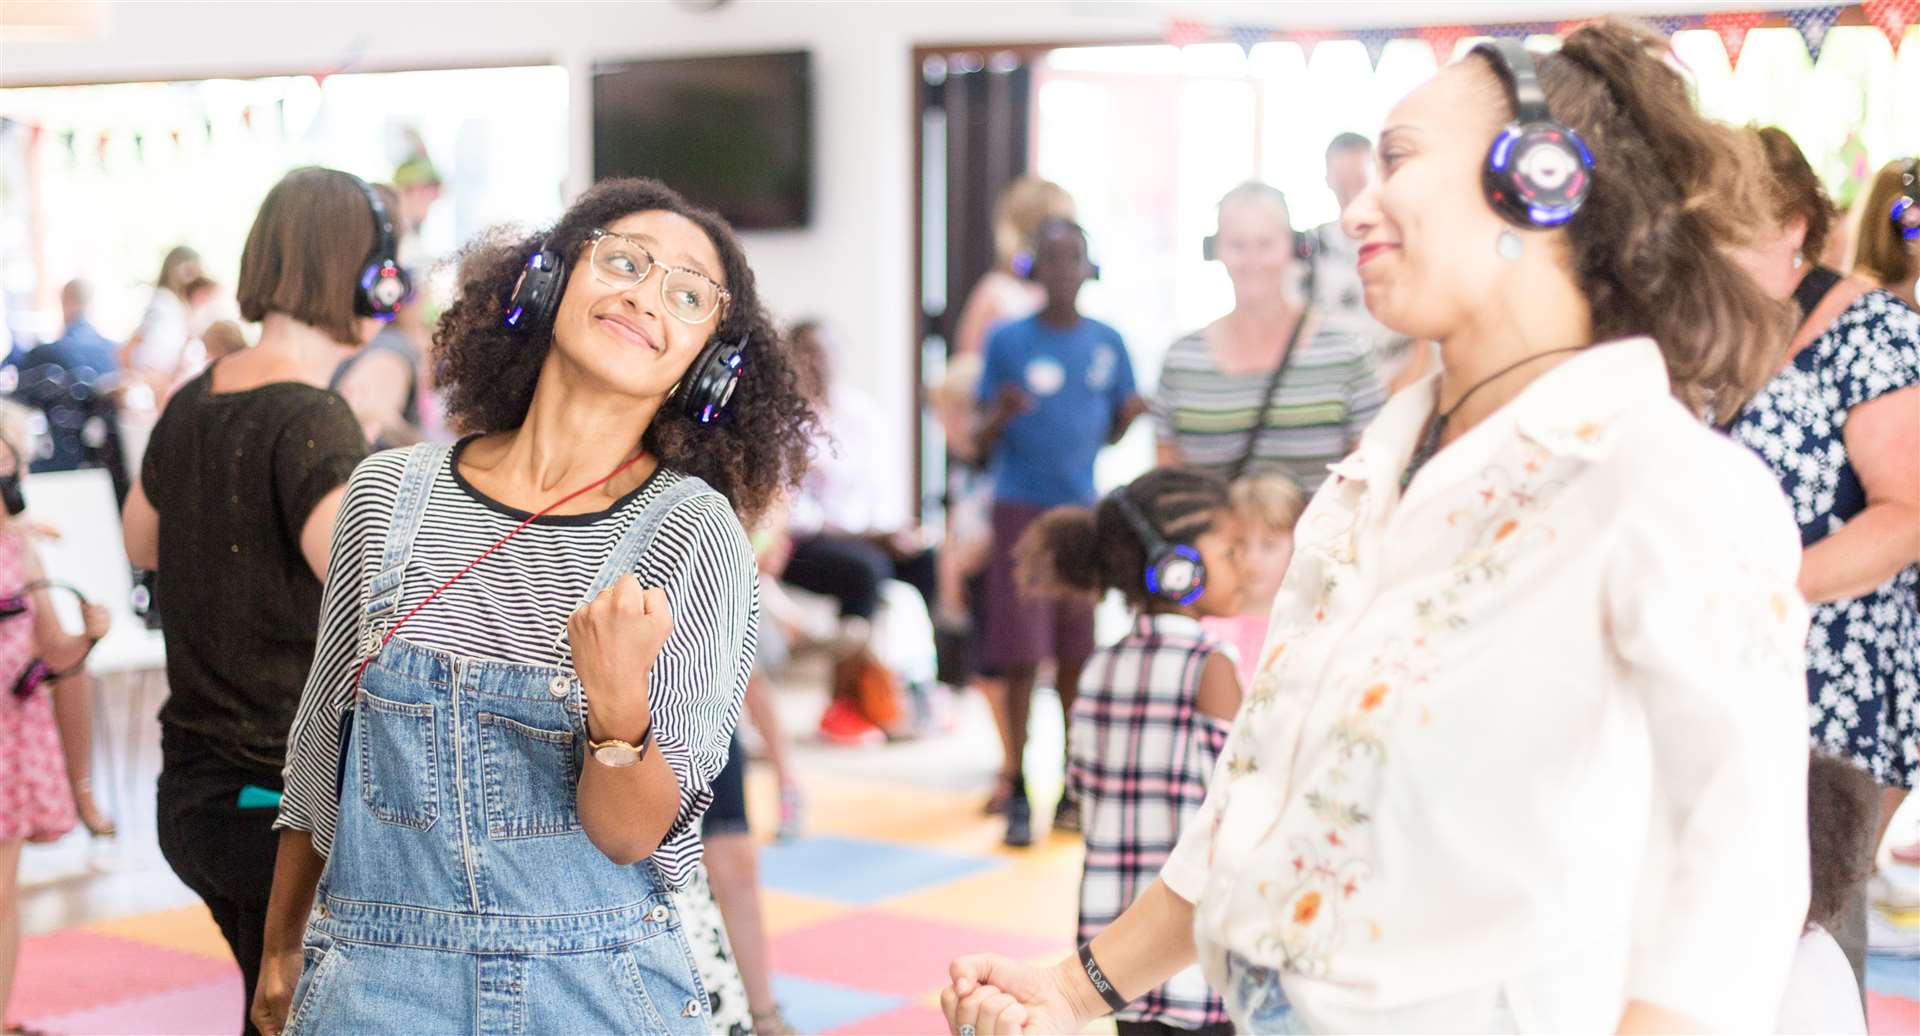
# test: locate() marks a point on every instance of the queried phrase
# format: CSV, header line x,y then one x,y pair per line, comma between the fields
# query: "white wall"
x,y
854,264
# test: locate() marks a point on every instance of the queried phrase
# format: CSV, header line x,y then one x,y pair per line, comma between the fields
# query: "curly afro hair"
x,y
488,370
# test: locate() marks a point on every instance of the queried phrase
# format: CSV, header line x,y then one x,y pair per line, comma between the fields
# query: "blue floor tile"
x,y
1893,976
818,1006
862,872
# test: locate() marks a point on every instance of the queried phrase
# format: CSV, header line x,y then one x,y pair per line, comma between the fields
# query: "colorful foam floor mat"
x,y
863,916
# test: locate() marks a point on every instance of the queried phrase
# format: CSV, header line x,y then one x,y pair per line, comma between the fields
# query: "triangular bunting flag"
x,y
1892,18
1375,40
1733,27
1309,39
1248,36
1181,32
1444,39
1813,23
1670,24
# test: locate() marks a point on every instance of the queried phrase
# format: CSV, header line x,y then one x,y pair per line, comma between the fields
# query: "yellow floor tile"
x,y
1035,896
188,929
784,911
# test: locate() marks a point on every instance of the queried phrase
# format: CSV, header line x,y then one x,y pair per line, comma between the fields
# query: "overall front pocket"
x,y
399,761
530,779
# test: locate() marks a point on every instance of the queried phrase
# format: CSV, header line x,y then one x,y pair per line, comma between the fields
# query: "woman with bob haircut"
x,y
237,495
1526,747
534,644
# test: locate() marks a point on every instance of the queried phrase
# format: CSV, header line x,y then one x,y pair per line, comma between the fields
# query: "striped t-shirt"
x,y
512,608
1325,399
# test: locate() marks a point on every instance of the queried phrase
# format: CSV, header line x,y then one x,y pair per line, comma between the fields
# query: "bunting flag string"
x,y
1891,17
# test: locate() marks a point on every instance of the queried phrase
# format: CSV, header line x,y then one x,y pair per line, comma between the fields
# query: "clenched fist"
x,y
616,638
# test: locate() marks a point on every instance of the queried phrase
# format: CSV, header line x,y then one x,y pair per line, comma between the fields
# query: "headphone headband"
x,y
382,286
1515,67
1175,572
1136,520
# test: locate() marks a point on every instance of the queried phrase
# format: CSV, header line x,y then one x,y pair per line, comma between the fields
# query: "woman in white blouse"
x,y
1526,749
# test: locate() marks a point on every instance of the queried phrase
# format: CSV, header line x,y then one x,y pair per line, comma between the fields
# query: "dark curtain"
x,y
987,103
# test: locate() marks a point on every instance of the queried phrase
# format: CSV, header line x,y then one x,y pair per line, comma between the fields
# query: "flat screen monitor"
x,y
731,133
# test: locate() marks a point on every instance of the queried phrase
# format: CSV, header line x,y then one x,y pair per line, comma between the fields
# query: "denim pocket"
x,y
530,779
661,987
399,762
320,963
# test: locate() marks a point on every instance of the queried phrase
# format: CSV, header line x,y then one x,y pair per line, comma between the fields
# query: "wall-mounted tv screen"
x,y
732,133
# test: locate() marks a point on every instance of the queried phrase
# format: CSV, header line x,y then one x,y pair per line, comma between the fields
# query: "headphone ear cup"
x,y
536,295
1176,574
706,391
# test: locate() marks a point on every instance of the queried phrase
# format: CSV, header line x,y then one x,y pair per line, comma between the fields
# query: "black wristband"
x,y
1091,967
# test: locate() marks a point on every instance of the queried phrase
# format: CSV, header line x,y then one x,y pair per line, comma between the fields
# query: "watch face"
x,y
616,755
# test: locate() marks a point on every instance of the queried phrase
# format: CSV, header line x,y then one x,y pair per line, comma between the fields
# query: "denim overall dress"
x,y
461,894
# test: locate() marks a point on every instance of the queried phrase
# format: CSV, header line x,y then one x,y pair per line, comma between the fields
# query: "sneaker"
x,y
792,811
1019,822
842,724
1066,816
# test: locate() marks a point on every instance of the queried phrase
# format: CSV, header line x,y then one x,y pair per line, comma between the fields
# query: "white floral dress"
x,y
1526,742
1863,654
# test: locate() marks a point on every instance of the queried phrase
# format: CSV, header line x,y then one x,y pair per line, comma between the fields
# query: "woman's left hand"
x,y
616,638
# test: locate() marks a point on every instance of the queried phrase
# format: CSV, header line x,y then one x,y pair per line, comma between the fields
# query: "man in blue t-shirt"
x,y
61,379
1055,388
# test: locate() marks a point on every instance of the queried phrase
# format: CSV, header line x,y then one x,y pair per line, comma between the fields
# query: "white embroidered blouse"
x,y
1527,743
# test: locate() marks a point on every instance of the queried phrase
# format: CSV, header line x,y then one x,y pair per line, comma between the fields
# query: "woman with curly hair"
x,y
1526,748
533,645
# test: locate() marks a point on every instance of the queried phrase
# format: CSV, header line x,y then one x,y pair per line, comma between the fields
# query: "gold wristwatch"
x,y
620,754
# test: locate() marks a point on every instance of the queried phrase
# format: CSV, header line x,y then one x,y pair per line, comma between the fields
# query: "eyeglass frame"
x,y
600,234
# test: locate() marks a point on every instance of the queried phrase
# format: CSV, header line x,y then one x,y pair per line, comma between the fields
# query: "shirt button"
x,y
693,1009
657,914
557,686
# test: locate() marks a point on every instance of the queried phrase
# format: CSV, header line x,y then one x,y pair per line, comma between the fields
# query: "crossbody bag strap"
x,y
1273,387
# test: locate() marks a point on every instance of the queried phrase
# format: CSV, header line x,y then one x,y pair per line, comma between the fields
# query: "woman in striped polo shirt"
x,y
1265,387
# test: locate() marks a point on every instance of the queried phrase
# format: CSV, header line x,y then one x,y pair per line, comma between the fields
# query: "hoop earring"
x,y
1509,246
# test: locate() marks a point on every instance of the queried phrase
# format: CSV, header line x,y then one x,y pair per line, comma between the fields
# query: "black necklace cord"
x,y
1437,424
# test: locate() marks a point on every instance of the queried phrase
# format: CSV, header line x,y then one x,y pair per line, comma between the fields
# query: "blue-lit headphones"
x,y
704,393
383,285
1906,208
1538,172
1175,572
1022,262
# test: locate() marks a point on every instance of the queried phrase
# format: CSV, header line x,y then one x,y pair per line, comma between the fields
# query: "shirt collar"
x,y
1168,624
1569,410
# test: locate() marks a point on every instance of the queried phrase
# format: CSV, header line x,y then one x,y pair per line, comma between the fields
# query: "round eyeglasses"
x,y
619,261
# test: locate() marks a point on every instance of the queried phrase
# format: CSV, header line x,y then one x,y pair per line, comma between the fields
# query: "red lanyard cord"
x,y
501,542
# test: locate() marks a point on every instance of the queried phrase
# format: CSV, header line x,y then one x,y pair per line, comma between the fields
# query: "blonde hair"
x,y
961,381
1882,254
1023,206
16,427
1269,502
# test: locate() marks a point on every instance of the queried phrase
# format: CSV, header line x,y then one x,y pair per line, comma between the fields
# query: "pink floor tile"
x,y
916,1018
75,970
206,1007
1890,1015
883,953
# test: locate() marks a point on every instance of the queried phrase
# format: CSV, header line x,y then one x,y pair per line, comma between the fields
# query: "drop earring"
x,y
1508,245
1798,259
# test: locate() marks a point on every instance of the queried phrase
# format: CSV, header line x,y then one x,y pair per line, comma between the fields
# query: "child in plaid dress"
x,y
1155,707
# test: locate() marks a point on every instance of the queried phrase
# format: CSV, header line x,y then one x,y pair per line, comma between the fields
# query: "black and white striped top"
x,y
513,606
